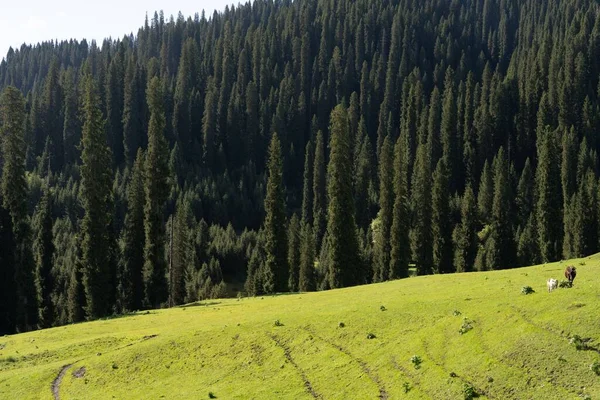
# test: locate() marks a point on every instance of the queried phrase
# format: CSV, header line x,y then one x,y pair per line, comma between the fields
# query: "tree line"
x,y
295,146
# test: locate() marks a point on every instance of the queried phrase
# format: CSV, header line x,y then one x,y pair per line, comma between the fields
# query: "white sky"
x,y
33,21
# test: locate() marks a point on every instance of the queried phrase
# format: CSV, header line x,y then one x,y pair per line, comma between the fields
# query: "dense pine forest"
x,y
295,146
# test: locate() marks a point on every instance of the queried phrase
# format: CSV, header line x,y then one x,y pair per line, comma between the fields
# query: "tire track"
x,y
383,394
57,381
288,355
439,364
412,376
55,386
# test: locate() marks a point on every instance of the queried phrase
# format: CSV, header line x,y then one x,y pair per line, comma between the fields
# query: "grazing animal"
x,y
552,284
570,273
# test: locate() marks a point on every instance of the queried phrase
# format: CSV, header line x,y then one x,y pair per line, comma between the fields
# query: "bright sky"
x,y
33,21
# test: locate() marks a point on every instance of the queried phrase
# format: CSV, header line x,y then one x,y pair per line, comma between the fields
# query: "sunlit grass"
x,y
355,343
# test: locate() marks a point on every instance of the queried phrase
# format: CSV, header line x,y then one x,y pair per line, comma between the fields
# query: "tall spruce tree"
x,y
294,243
8,290
14,194
343,258
307,190
44,253
131,285
465,234
156,188
319,192
421,241
441,224
501,253
386,204
276,270
306,279
98,248
548,206
399,235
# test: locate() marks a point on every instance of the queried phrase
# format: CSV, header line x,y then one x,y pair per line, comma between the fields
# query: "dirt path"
x,y
58,380
288,355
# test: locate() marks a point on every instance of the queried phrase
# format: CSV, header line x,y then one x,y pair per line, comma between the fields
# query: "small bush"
x,y
595,366
466,326
211,395
115,366
406,387
416,361
382,308
469,392
582,263
456,313
341,325
565,284
278,323
527,290
371,336
579,342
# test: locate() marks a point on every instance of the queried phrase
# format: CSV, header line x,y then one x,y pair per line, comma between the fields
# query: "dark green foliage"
x,y
386,204
501,253
469,80
343,258
465,234
306,280
44,253
156,187
399,237
307,190
441,224
14,194
8,292
131,286
275,268
98,246
421,240
319,194
548,207
294,253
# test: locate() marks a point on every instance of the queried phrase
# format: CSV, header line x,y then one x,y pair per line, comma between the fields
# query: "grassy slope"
x,y
518,347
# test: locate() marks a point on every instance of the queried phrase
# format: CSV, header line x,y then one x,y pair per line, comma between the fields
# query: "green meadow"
x,y
438,337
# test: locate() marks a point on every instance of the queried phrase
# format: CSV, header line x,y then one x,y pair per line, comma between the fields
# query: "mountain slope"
x,y
518,346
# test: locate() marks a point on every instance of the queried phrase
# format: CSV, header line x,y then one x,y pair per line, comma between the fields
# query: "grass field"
x,y
518,348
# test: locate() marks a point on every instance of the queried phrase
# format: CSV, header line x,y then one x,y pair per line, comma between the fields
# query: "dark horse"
x,y
570,273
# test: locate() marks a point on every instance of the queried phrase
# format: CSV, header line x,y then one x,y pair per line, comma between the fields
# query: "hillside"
x,y
518,347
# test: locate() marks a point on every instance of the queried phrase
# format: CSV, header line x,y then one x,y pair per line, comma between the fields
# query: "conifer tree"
x,y
386,205
133,111
98,248
485,196
276,269
524,200
399,236
156,188
294,251
421,241
319,194
131,286
440,220
548,206
8,290
306,280
307,203
14,195
44,252
343,259
465,234
501,253
180,253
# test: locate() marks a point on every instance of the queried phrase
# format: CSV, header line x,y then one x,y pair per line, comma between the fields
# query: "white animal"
x,y
552,284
